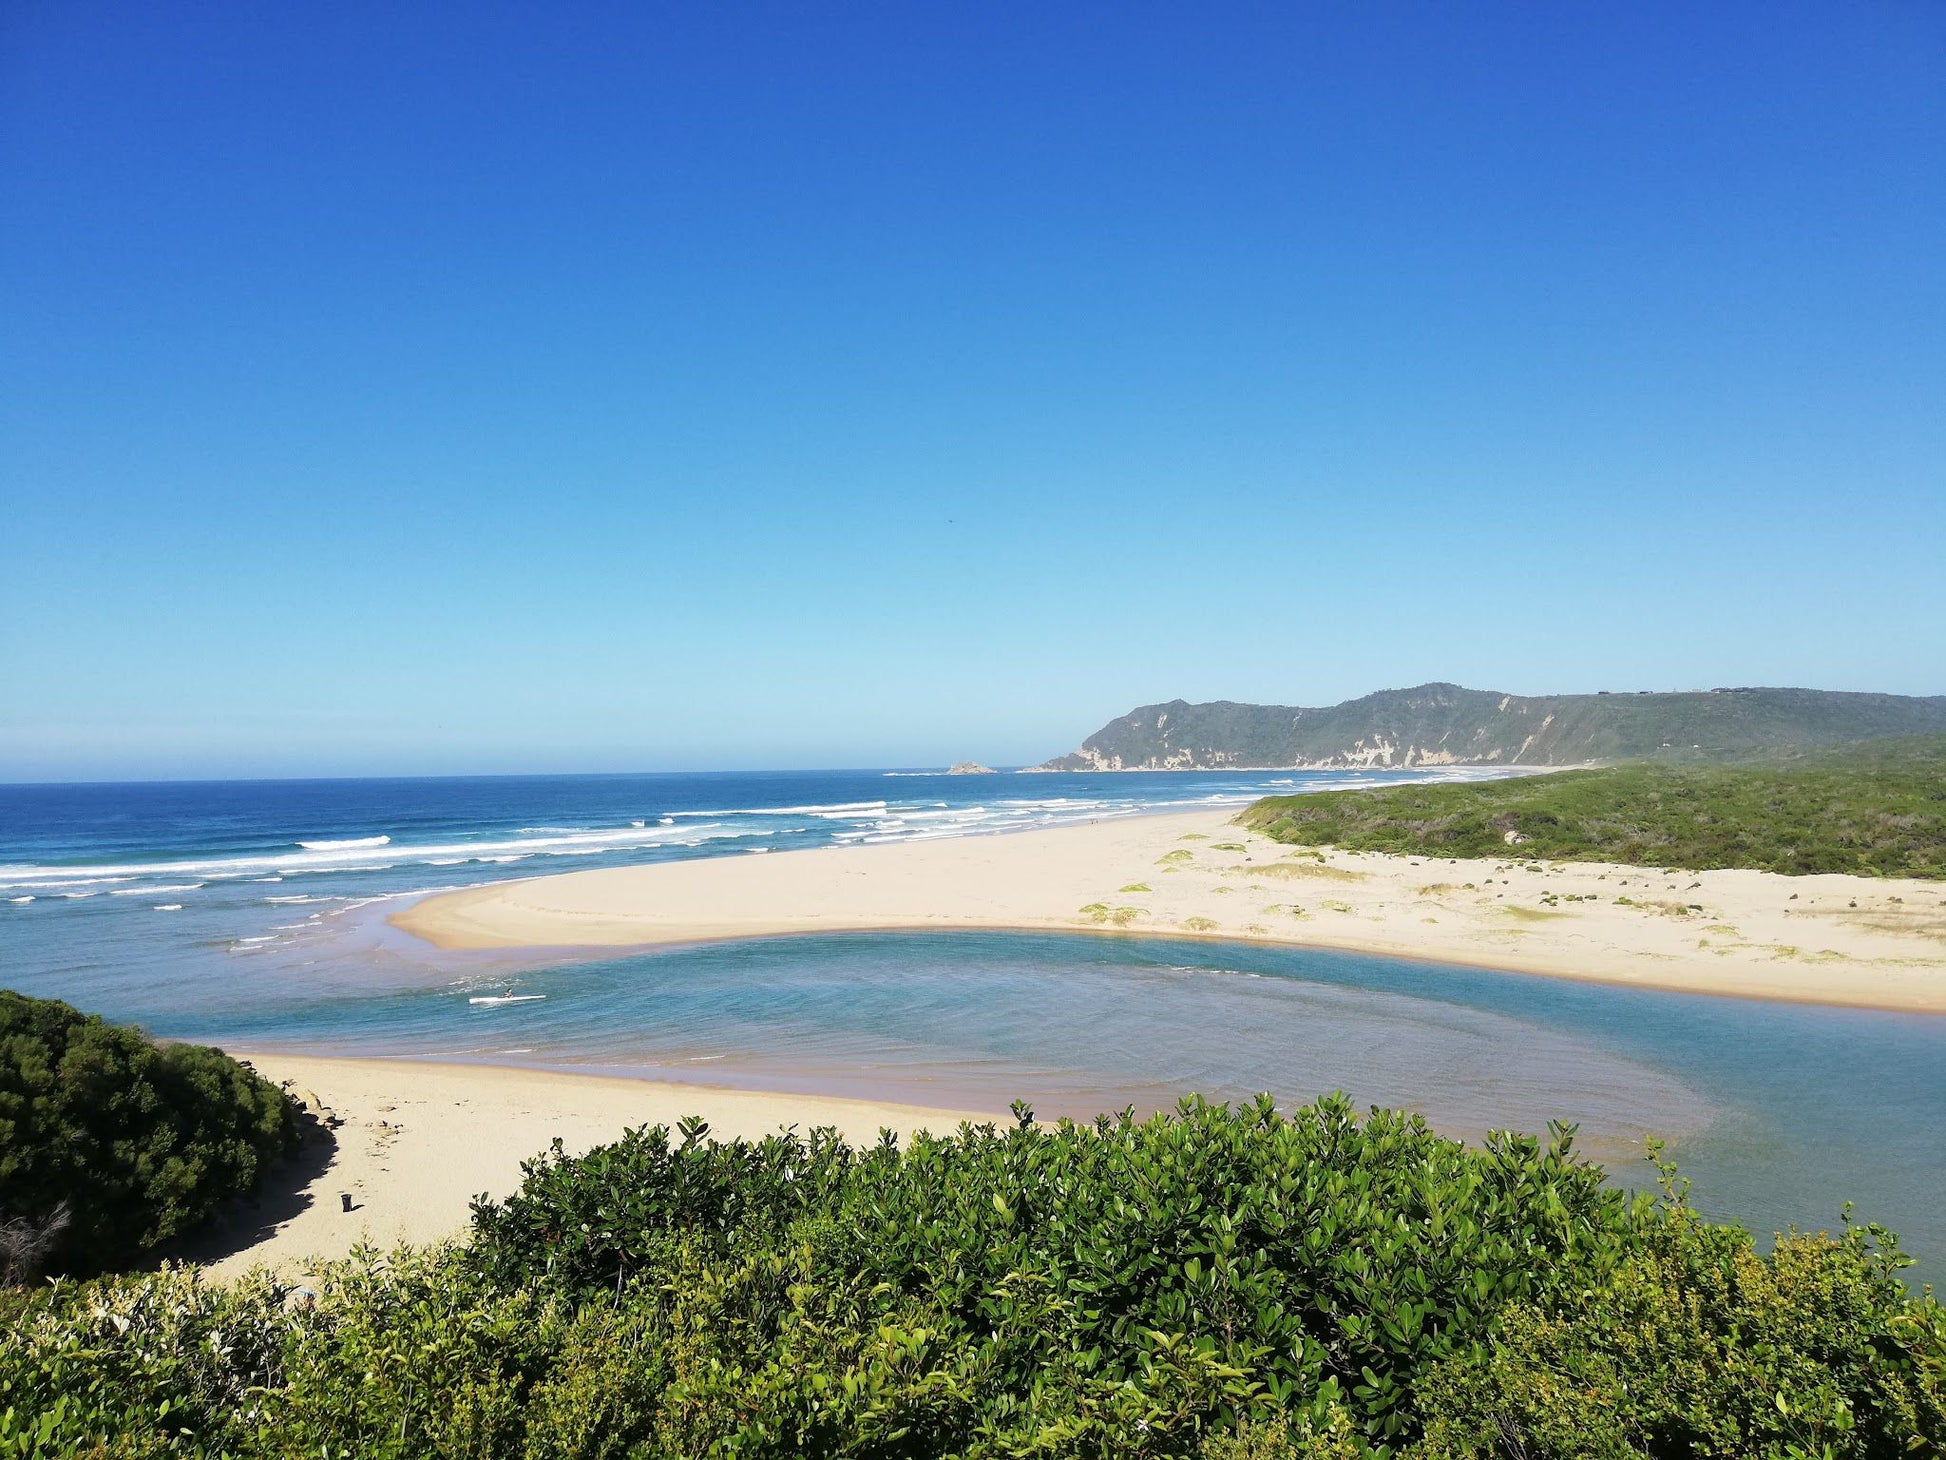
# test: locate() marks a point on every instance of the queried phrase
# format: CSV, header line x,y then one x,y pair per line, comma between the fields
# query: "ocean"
x,y
252,915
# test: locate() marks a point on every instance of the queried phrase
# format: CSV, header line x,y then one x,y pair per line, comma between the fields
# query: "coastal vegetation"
x,y
1232,1284
1876,810
111,1145
1446,724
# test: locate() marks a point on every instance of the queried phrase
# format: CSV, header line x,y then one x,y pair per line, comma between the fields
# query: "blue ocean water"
x,y
252,914
158,899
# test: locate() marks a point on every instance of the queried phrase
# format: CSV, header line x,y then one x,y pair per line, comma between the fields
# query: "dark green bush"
x,y
130,1142
1700,1346
1872,810
1295,1249
1218,1285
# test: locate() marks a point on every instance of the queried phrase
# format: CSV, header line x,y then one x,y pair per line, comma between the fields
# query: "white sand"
x,y
419,1141
1869,942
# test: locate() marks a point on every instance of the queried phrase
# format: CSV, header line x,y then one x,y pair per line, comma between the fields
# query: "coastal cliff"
x,y
1445,724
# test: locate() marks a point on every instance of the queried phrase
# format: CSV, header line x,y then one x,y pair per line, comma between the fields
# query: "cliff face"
x,y
1444,724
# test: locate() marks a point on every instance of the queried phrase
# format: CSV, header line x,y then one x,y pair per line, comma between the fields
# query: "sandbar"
x,y
1863,942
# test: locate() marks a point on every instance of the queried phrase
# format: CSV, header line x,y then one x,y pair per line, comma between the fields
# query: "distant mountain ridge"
x,y
1445,724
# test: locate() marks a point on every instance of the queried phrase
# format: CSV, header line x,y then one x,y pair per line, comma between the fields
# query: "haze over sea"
x,y
251,914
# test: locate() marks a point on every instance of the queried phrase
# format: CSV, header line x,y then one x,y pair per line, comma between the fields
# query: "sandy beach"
x,y
413,1144
1863,942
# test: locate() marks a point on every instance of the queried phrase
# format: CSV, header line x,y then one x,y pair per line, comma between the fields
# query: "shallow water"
x,y
1780,1113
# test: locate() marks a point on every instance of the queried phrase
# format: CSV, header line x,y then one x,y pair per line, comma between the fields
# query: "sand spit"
x,y
1857,941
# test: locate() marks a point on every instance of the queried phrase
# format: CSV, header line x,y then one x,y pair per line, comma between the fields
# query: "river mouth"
x,y
1780,1113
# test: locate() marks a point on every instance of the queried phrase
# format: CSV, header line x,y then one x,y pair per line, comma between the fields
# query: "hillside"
x,y
1874,810
1444,724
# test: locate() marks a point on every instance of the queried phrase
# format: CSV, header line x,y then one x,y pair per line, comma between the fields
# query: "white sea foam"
x,y
347,844
349,858
168,907
154,891
833,808
26,899
38,880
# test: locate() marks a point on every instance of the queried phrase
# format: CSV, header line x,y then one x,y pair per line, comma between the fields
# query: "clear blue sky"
x,y
518,387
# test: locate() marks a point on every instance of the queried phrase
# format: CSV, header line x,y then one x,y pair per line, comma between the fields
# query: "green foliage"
x,y
1441,723
1700,1346
1223,1284
134,1142
1878,810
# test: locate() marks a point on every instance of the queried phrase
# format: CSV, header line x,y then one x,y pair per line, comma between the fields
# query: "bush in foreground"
x,y
1223,1284
110,1145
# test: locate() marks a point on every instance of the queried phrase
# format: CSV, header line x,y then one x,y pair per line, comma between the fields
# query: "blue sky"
x,y
495,388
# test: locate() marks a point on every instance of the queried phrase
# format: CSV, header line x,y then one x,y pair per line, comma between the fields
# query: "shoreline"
x,y
1501,767
403,1139
1829,939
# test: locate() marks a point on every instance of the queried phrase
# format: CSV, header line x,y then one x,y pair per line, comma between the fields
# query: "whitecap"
x,y
168,907
347,858
347,844
822,809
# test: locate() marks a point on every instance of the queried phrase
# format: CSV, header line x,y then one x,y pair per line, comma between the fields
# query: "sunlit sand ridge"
x,y
1865,942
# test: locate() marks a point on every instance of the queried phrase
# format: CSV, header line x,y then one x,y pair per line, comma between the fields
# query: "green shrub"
x,y
1875,810
1701,1346
1217,1285
1295,1249
122,1142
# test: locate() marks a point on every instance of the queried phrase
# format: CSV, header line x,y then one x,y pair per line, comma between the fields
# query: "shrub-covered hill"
x,y
1877,809
1446,724
110,1144
1226,1284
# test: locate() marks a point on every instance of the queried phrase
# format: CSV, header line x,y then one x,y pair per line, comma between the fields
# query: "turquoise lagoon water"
x,y
253,916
